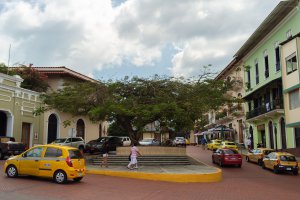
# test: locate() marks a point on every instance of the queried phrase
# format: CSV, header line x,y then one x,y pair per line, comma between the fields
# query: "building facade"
x,y
78,126
262,58
16,111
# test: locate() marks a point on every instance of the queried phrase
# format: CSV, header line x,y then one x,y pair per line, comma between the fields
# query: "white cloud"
x,y
90,34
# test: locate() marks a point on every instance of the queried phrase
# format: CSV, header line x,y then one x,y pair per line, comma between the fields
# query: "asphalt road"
x,y
248,182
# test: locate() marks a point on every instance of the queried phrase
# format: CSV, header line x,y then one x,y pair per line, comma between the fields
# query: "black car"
x,y
98,145
9,146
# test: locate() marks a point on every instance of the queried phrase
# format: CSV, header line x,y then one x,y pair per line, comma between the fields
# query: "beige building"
x,y
233,115
80,126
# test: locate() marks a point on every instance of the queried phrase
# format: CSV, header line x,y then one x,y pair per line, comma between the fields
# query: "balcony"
x,y
265,110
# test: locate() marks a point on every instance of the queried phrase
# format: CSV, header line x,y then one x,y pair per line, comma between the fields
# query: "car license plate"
x,y
288,168
233,158
79,174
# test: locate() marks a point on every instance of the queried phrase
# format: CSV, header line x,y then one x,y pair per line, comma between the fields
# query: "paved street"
x,y
249,182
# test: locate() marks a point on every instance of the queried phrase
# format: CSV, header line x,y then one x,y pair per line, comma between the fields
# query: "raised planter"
x,y
154,151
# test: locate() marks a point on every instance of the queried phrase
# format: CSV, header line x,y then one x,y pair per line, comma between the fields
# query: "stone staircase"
x,y
143,161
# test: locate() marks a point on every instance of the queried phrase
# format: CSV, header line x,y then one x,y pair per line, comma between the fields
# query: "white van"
x,y
126,140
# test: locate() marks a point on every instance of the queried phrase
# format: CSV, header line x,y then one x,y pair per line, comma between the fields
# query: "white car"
x,y
179,141
77,142
149,142
126,141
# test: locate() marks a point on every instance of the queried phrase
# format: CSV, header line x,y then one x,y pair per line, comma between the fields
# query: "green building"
x,y
16,111
263,60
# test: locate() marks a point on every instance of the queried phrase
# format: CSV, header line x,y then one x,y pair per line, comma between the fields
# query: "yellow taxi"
x,y
257,155
187,142
281,162
228,145
58,162
214,144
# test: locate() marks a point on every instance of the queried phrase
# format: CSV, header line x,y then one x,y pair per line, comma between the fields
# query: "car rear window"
x,y
75,154
230,143
287,158
266,152
53,152
230,151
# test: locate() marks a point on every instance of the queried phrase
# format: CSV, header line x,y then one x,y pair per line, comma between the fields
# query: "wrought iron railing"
x,y
265,108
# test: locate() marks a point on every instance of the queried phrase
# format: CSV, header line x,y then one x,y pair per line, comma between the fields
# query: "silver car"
x,y
77,142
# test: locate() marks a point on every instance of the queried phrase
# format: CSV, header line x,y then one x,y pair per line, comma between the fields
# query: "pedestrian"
x,y
134,153
105,155
248,143
203,143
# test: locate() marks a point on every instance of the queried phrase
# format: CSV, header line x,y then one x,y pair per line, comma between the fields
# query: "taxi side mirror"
x,y
24,155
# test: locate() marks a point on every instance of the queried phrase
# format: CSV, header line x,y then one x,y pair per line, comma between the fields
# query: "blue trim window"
x,y
291,63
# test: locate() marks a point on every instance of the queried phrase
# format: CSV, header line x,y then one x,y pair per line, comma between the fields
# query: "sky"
x,y
111,39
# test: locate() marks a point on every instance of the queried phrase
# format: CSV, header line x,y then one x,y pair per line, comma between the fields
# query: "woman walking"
x,y
134,153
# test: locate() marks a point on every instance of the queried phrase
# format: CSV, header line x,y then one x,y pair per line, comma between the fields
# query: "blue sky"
x,y
110,39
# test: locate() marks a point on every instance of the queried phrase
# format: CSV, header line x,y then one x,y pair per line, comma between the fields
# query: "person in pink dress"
x,y
134,153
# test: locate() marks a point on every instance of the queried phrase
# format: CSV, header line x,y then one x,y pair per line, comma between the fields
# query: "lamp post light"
x,y
275,131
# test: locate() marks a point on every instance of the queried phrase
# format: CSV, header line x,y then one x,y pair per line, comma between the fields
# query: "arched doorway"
x,y
282,133
251,137
100,130
271,135
80,128
52,128
3,123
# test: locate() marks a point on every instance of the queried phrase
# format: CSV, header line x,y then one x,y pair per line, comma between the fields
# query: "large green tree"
x,y
136,102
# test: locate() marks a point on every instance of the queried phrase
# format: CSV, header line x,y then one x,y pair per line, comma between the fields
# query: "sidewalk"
x,y
182,173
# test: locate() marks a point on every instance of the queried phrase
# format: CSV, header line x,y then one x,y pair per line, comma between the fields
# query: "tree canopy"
x,y
134,103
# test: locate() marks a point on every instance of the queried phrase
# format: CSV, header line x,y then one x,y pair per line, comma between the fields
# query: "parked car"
x,y
281,162
98,145
149,142
77,142
257,155
228,145
179,141
214,144
52,161
126,140
227,157
9,146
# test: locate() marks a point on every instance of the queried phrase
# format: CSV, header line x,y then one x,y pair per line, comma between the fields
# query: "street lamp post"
x,y
275,131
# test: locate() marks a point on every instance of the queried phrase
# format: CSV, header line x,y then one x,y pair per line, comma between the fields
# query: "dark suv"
x,y
99,144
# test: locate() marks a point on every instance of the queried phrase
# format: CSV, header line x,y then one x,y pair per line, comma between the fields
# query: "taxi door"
x,y
257,155
270,160
29,163
50,161
251,155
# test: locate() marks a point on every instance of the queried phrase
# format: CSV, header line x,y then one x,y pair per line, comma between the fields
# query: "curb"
x,y
180,178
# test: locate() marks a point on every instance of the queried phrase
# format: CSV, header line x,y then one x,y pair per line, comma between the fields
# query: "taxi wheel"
x,y
260,162
247,159
275,170
77,179
60,177
11,171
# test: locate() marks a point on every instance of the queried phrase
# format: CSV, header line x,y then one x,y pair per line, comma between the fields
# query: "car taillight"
x,y
278,162
69,162
296,163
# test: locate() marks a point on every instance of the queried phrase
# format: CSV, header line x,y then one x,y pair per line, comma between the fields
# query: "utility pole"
x,y
8,60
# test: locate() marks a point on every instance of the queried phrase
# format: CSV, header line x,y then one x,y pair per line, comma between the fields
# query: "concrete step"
x,y
145,160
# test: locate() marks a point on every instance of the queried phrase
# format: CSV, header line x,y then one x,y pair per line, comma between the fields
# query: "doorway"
x,y
3,123
251,137
80,127
52,128
283,133
26,134
271,135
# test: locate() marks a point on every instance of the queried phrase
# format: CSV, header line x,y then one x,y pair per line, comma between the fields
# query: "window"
x,y
266,66
297,137
289,34
291,63
294,99
277,58
249,79
75,154
53,152
256,72
36,152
